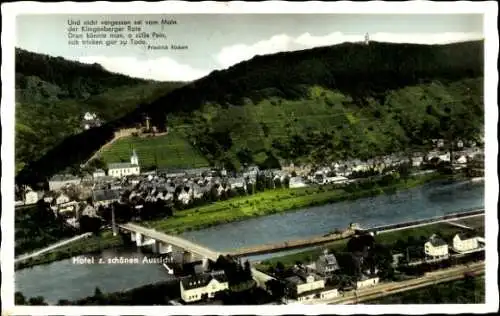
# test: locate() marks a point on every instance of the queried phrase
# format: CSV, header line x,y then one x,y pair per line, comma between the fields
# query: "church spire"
x,y
134,159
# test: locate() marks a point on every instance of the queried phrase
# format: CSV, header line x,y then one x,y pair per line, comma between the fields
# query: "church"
x,y
123,169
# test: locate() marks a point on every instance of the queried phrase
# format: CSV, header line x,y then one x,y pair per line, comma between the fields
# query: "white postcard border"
x,y
11,10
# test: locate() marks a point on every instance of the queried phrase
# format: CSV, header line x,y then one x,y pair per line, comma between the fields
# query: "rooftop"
x,y
105,195
64,177
120,165
202,280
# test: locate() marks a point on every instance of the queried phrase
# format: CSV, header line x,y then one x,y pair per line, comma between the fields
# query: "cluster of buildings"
x,y
124,182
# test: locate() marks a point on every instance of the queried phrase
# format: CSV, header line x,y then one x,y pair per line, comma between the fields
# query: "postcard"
x,y
236,158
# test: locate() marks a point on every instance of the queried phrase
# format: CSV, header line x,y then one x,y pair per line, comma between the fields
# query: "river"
x,y
66,280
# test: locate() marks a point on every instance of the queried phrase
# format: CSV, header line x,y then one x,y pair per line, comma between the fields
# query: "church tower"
x,y
134,159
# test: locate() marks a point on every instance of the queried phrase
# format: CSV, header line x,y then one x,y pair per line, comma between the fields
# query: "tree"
x,y
37,300
19,299
248,270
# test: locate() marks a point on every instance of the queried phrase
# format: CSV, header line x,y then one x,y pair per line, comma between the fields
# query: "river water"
x,y
66,280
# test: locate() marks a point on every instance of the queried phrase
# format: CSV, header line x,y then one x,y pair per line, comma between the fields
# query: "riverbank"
x,y
279,201
446,231
227,211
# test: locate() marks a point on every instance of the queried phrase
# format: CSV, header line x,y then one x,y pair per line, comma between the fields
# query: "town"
x,y
123,193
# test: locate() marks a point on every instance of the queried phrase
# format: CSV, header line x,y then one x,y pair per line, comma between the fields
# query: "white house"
x,y
326,264
194,288
99,173
436,247
302,285
297,182
461,160
61,199
366,281
31,197
465,242
445,157
417,161
122,169
89,116
185,196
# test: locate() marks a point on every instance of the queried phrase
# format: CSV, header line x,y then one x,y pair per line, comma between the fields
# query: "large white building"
x,y
122,169
436,247
465,242
205,285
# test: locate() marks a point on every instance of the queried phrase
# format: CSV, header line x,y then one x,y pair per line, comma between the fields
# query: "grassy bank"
x,y
456,292
272,202
83,246
445,230
236,209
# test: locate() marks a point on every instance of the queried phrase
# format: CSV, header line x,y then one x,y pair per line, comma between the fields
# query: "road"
x,y
390,288
51,247
426,221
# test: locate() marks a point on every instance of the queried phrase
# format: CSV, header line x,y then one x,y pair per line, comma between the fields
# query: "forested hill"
x,y
52,95
354,69
347,100
68,79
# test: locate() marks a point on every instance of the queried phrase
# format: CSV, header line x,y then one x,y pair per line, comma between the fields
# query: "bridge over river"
x,y
162,243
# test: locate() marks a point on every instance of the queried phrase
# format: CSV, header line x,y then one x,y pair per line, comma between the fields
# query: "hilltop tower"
x,y
134,159
367,39
148,125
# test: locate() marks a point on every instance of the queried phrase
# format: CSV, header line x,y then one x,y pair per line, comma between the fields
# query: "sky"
x,y
218,41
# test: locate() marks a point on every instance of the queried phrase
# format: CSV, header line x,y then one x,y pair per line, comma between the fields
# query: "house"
x,y
105,197
67,207
439,143
444,157
89,116
237,183
58,181
90,120
297,182
464,242
396,259
305,286
326,264
436,247
98,173
185,195
195,288
461,160
122,169
61,199
31,197
417,161
89,210
367,281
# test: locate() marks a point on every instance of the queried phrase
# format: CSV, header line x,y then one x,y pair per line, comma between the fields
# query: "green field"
x,y
167,151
